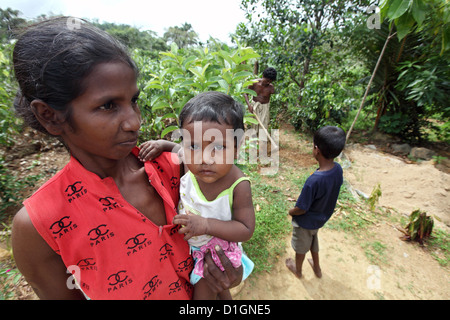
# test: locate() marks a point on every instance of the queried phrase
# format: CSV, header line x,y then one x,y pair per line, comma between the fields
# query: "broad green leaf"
x,y
404,25
168,130
250,118
398,8
250,92
242,75
224,85
169,116
419,11
160,105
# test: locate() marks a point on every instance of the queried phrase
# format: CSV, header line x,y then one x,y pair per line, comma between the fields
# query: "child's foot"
x,y
290,264
317,270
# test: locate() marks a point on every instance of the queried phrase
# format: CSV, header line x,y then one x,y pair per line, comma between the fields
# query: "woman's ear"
x,y
48,117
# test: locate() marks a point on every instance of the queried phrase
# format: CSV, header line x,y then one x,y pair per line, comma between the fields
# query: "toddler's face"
x,y
209,149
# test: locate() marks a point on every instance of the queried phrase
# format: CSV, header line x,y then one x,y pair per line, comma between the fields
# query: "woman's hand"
x,y
217,279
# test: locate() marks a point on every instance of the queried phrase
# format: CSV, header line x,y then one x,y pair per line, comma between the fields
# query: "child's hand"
x,y
192,224
150,150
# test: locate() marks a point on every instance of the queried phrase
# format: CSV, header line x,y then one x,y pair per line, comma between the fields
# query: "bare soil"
x,y
404,270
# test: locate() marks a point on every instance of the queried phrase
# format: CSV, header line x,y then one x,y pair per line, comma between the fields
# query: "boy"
x,y
317,200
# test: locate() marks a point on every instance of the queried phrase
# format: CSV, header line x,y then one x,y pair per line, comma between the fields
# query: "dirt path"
x,y
403,270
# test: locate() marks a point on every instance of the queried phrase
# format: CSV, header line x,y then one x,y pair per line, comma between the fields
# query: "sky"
x,y
216,18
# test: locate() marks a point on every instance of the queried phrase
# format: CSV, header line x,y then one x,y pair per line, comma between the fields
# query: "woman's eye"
x,y
107,106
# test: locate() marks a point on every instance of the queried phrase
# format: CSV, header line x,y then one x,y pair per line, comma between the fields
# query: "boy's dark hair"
x,y
53,57
330,140
270,73
215,107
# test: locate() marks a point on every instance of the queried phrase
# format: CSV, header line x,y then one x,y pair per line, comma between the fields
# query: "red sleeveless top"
x,y
113,249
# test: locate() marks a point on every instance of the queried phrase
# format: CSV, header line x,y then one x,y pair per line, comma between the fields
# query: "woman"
x,y
106,216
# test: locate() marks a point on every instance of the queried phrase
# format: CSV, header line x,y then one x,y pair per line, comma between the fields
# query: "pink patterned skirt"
x,y
231,250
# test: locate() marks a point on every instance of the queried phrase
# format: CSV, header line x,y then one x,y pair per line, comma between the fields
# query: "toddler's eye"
x,y
194,147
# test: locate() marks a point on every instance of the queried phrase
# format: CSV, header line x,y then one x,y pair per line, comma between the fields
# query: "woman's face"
x,y
105,119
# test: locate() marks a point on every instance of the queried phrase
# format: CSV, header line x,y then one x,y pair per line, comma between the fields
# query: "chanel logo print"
x,y
74,188
174,182
186,265
99,234
75,191
175,286
87,264
118,277
118,281
109,203
151,286
62,226
165,251
136,241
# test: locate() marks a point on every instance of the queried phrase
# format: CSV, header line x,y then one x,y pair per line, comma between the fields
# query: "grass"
x,y
272,225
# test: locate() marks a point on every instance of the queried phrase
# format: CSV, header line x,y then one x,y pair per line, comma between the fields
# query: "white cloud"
x,y
215,18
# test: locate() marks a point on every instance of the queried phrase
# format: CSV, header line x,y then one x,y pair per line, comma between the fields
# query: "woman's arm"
x,y
38,263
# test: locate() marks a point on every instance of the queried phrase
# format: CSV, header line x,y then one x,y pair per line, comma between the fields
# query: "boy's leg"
x,y
301,243
314,262
296,266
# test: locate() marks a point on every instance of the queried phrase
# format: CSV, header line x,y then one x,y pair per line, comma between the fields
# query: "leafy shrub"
x,y
181,74
324,102
11,187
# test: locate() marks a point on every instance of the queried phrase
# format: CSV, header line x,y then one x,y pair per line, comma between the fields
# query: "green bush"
x,y
183,73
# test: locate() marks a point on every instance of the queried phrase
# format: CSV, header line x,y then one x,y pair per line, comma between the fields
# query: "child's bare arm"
x,y
153,148
237,230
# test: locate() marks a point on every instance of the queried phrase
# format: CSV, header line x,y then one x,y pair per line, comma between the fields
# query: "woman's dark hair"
x,y
53,57
215,107
330,140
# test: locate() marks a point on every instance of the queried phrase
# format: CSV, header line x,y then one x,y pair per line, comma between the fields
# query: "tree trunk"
x,y
370,81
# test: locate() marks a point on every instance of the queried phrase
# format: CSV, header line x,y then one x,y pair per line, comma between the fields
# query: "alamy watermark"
x,y
73,23
241,147
373,281
373,22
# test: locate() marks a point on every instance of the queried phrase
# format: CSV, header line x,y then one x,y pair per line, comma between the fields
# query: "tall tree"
x,y
9,21
183,36
412,79
289,31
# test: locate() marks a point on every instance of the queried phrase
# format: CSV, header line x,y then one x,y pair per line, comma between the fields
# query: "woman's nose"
x,y
132,119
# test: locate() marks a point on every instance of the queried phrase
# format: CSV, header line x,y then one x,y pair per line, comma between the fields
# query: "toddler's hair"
x,y
215,107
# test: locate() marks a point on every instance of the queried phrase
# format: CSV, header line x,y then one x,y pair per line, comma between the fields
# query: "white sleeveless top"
x,y
193,200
